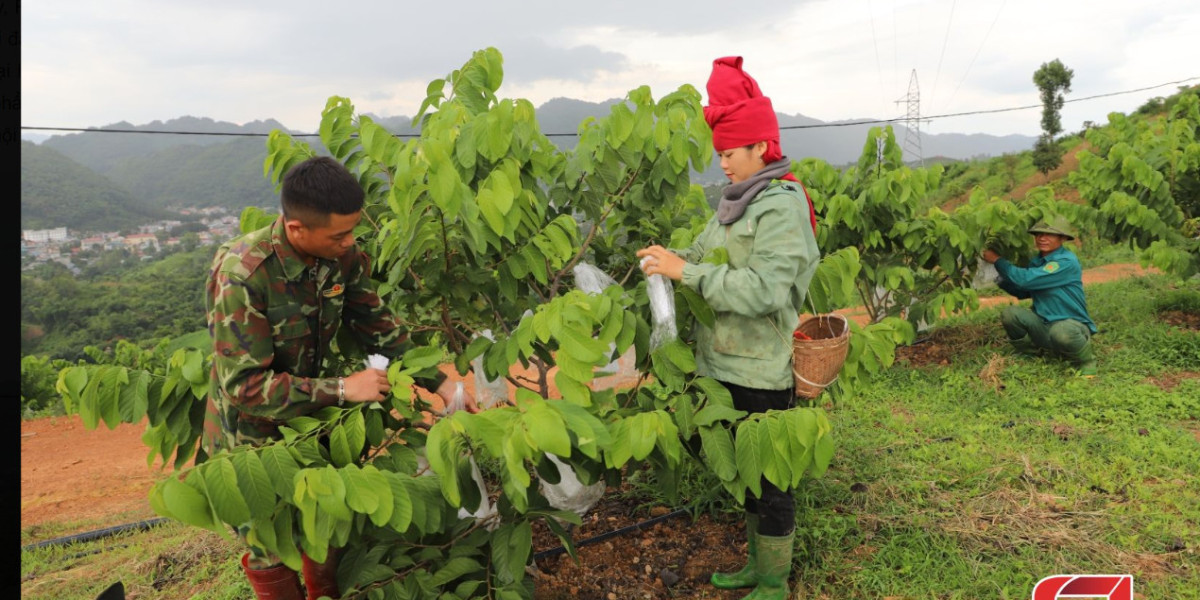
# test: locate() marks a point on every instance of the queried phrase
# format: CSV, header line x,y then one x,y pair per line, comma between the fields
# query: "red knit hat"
x,y
738,113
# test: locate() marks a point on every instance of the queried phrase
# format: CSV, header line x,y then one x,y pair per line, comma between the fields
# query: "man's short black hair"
x,y
317,188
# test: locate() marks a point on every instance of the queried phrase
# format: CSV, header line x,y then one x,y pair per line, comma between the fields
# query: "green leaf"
x,y
221,485
360,491
380,486
697,306
446,188
325,485
680,355
547,429
572,389
502,191
581,346
717,443
339,448
642,434
255,484
422,358
453,569
590,433
402,504
492,215
112,378
511,546
186,504
773,451
286,546
134,397
281,468
716,412
749,463
442,452
714,391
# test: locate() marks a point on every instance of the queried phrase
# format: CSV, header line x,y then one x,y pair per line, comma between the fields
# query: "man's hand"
x,y
367,385
990,255
662,262
446,391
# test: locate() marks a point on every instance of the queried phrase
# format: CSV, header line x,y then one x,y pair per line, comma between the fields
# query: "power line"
x,y
946,39
981,45
875,42
817,126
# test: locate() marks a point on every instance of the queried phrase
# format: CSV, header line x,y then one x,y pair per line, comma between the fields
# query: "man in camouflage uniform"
x,y
1059,322
276,299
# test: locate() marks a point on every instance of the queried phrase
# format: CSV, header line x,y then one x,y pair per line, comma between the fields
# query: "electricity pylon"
x,y
912,121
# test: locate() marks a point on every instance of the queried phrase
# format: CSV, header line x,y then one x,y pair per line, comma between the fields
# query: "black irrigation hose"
x,y
97,534
147,524
611,534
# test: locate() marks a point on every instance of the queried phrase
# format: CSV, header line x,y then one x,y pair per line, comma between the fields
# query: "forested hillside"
x,y
59,192
135,301
103,152
162,171
228,174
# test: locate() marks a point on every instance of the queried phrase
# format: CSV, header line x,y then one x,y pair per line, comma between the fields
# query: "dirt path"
x,y
70,473
1090,276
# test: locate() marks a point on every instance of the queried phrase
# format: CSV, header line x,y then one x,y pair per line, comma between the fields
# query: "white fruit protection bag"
x,y
486,508
488,392
590,279
662,308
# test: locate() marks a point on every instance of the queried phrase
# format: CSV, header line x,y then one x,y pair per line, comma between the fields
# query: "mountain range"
x,y
140,176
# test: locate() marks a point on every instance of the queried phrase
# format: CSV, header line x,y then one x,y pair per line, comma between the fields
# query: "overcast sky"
x,y
86,63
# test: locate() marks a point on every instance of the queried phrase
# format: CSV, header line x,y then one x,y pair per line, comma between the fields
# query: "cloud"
x,y
87,63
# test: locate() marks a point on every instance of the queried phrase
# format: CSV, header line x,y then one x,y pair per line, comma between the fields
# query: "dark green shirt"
x,y
1054,281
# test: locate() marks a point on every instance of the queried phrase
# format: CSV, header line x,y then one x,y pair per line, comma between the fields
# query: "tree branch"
x,y
592,234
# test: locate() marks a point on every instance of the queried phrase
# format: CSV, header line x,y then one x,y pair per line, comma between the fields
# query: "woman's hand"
x,y
661,262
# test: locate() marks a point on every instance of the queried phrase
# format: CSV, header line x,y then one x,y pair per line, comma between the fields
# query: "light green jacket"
x,y
759,294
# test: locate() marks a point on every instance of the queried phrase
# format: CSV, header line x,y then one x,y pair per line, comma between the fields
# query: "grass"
x,y
978,478
170,560
973,479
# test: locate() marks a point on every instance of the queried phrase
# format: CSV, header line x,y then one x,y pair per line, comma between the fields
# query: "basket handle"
x,y
815,384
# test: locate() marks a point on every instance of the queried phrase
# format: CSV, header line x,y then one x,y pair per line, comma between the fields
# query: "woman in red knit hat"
x,y
766,224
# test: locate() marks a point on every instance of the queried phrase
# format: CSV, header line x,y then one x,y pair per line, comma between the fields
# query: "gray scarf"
x,y
737,196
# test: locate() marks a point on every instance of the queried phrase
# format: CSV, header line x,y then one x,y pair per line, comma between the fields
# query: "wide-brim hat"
x,y
1058,228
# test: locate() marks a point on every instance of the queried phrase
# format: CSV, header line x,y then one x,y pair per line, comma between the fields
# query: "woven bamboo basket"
x,y
817,361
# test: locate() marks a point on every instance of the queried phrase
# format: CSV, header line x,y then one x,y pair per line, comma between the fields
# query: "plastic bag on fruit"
x,y
486,508
488,392
662,308
985,274
569,493
622,370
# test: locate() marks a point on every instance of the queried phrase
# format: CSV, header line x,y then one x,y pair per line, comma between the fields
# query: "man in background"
x,y
1059,322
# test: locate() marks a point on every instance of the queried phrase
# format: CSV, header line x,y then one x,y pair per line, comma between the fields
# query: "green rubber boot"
x,y
1025,346
747,576
773,566
1085,361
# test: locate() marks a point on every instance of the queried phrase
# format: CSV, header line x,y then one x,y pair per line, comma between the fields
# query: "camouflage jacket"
x,y
272,319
